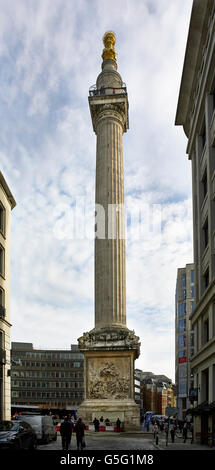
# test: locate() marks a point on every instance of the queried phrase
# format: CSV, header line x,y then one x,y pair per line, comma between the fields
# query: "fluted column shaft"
x,y
110,276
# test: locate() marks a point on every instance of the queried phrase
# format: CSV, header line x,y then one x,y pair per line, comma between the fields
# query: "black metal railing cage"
x,y
108,90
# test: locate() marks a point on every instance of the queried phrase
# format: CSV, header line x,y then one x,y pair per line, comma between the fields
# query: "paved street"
x,y
125,441
110,441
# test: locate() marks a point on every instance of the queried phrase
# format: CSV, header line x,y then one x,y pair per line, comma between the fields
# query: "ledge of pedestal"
x,y
127,410
114,338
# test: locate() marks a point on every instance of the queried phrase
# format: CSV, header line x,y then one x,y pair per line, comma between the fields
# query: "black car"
x,y
17,435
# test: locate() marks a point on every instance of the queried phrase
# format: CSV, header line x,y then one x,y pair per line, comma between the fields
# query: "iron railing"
x,y
94,91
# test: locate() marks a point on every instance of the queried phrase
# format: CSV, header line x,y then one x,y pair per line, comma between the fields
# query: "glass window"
x,y
192,291
181,353
2,219
192,305
182,341
182,326
183,280
2,260
192,275
205,231
181,310
205,184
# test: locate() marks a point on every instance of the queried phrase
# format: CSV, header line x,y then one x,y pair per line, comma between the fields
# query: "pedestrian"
x,y
172,433
79,429
185,432
192,432
166,430
118,422
66,433
156,433
96,424
155,429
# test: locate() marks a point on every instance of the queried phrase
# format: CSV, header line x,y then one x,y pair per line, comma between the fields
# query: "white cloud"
x,y
50,54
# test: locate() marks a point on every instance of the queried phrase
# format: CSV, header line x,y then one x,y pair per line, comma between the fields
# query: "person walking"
x,y
172,433
192,432
96,424
118,422
156,433
185,432
166,430
79,429
66,433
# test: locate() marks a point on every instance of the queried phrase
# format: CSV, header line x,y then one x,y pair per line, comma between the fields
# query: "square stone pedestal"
x,y
127,411
109,383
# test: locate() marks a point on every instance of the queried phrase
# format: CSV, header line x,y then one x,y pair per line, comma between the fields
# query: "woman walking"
x,y
79,429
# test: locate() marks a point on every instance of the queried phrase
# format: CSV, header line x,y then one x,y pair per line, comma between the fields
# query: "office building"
x,y
50,379
184,306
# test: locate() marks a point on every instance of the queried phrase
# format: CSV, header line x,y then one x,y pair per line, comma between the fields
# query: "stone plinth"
x,y
109,356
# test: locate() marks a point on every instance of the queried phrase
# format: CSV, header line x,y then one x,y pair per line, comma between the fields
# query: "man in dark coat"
x,y
118,423
66,433
79,429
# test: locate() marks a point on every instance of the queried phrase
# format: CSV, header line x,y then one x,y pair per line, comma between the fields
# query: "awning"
x,y
203,408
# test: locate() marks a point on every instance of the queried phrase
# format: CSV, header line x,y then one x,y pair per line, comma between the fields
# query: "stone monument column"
x,y
110,348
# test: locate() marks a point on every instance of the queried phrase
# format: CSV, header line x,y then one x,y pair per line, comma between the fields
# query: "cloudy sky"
x,y
50,54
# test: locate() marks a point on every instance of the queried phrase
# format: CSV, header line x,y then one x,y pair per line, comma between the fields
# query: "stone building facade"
x,y
196,113
7,203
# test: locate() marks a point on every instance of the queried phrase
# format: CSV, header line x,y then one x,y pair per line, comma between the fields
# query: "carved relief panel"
x,y
108,378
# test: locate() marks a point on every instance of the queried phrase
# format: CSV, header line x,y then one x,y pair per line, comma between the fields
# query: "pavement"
x,y
178,444
126,441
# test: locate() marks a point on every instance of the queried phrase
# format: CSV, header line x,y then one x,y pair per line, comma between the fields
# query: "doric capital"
x,y
113,109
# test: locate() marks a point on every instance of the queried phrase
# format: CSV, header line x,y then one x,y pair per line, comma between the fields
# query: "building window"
x,y
182,326
181,310
2,219
205,331
2,260
213,97
206,279
203,136
182,341
205,183
192,275
205,385
205,231
192,291
213,319
2,297
184,294
183,280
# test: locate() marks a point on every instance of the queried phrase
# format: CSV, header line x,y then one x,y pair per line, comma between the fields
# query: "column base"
x,y
127,411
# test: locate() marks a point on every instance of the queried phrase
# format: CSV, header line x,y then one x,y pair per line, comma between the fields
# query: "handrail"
x,y
93,91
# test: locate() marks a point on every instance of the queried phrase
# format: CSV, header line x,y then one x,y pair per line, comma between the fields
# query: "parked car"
x,y
43,426
17,434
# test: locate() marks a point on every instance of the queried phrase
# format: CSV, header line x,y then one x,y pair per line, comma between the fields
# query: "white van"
x,y
43,426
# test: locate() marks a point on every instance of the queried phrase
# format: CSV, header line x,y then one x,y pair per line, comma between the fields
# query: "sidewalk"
x,y
179,444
